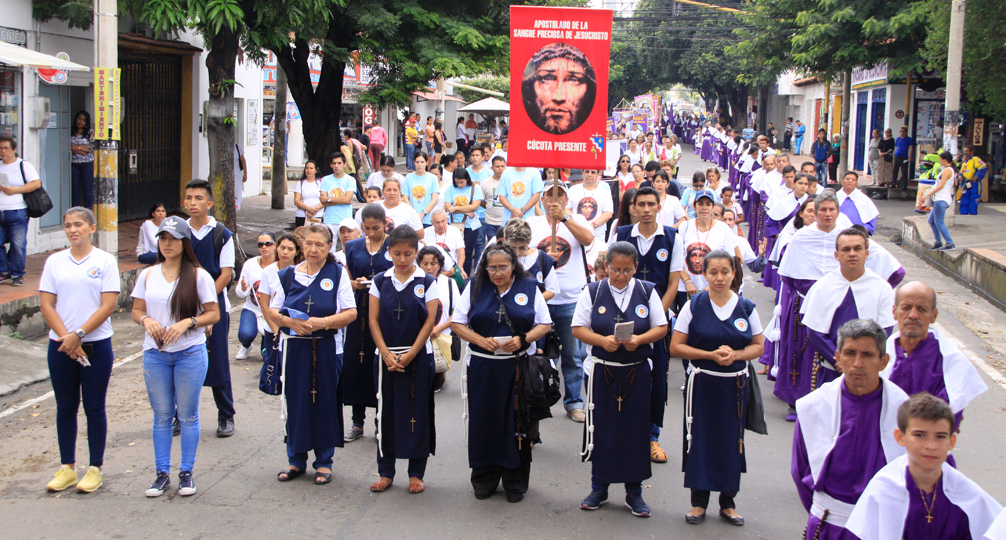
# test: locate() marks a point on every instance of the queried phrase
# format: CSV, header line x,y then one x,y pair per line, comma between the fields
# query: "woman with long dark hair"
x,y
307,196
625,213
79,288
498,445
252,275
82,160
314,302
174,301
461,200
146,244
943,196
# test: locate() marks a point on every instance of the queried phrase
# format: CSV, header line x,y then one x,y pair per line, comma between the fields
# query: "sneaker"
x,y
225,428
186,486
948,247
65,477
594,500
577,415
353,433
17,282
937,246
791,414
160,484
176,427
242,354
4,277
637,505
91,481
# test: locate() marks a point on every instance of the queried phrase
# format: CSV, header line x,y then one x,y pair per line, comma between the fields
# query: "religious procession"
x,y
652,297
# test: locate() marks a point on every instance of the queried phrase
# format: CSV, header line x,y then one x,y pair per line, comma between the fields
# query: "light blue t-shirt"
x,y
420,191
338,187
459,197
477,178
518,188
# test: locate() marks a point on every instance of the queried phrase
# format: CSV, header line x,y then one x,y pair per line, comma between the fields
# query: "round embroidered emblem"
x,y
327,284
521,299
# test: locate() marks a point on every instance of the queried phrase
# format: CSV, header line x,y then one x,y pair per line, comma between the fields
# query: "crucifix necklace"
x,y
927,505
314,369
309,303
610,377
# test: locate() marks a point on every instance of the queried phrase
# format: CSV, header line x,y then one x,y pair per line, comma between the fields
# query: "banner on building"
x,y
559,73
102,102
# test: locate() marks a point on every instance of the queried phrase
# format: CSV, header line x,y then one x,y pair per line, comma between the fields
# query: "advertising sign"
x,y
102,99
559,85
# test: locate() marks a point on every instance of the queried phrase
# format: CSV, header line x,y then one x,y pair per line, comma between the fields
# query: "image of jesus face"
x,y
558,89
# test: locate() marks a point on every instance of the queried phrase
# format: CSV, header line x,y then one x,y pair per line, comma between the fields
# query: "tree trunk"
x,y
843,164
279,143
220,124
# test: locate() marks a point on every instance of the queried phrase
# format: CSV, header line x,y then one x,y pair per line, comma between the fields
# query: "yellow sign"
x,y
102,97
116,103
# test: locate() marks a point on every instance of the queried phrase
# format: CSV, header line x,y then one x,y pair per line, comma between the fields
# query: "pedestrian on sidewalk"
x,y
21,178
378,141
886,159
821,151
82,160
873,156
146,245
307,196
175,301
943,196
798,132
252,275
79,288
902,156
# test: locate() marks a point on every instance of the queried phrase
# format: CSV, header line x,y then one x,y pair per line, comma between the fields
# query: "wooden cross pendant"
x,y
619,403
309,303
741,443
413,422
313,395
794,374
519,439
929,519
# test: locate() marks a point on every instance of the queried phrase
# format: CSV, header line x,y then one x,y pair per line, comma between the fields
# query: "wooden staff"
x,y
555,199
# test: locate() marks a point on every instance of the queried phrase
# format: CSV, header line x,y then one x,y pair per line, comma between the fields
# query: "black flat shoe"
x,y
289,474
322,478
695,520
514,496
735,520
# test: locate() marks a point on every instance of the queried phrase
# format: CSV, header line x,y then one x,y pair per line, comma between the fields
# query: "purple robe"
x,y
949,521
849,209
922,371
755,219
724,158
772,229
825,345
855,458
795,355
707,147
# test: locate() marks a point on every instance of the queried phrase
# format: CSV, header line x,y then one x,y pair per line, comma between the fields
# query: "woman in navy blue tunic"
x,y
616,435
315,300
365,258
498,448
403,310
718,333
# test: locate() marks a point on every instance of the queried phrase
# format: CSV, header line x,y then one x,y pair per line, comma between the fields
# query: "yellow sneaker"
x,y
65,477
91,481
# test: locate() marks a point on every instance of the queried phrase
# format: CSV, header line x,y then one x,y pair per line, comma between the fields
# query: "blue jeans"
x,y
72,381
322,458
410,156
247,328
82,184
572,363
174,381
13,230
937,223
821,172
489,232
480,245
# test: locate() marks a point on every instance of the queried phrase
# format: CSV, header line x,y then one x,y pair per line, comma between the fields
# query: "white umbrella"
x,y
489,105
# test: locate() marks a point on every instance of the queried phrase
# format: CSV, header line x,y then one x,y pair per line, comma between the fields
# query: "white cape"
x,y
811,252
873,295
998,529
867,210
959,374
783,203
882,508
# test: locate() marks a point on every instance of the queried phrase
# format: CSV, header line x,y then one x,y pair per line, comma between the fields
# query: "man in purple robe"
x,y
756,217
926,361
845,433
919,495
855,204
782,208
852,291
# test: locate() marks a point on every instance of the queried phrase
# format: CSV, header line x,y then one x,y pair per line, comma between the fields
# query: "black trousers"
x,y
700,499
223,396
900,169
487,479
786,140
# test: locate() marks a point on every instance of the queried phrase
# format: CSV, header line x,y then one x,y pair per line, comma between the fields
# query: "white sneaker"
x,y
242,353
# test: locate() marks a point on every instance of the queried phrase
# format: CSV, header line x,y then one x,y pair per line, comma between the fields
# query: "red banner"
x,y
558,86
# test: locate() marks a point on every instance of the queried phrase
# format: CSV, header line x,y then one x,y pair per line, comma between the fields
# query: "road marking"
x,y
36,400
992,372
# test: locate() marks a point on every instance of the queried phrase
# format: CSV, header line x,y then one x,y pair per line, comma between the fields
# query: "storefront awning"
x,y
13,55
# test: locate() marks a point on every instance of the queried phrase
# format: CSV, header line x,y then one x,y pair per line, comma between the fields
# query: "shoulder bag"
x,y
538,381
38,201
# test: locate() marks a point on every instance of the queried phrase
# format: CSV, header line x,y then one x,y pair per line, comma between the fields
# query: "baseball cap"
x,y
175,226
575,174
706,194
349,223
562,186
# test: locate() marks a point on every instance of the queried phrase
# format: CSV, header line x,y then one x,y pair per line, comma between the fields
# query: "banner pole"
x,y
555,199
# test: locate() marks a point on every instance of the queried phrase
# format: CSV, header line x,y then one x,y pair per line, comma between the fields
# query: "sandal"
x,y
322,478
381,485
764,371
416,485
657,454
289,474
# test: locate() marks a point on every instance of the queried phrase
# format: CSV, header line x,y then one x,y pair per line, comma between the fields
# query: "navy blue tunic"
x,y
491,390
218,372
359,384
719,404
407,429
314,419
621,438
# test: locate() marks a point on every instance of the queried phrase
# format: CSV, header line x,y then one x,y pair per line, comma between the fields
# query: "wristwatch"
x,y
564,219
80,333
195,322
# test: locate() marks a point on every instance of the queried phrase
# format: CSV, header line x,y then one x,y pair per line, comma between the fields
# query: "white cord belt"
x,y
693,370
588,425
380,397
838,511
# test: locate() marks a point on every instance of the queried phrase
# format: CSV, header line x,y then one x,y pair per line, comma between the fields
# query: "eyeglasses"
x,y
498,269
266,244
626,272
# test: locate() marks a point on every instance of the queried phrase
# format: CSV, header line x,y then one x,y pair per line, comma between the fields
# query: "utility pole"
x,y
843,164
279,141
952,114
106,185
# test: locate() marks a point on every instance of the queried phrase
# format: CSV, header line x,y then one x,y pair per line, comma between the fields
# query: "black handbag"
x,y
538,381
38,201
553,345
272,368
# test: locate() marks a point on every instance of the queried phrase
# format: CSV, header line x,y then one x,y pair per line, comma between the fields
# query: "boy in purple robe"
x,y
925,361
845,432
919,495
855,204
852,291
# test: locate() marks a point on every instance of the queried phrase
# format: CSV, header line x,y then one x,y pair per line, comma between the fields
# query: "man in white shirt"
x,y
573,235
448,239
591,201
491,203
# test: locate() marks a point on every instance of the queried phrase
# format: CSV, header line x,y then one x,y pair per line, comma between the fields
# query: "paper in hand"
x,y
3,180
501,340
623,331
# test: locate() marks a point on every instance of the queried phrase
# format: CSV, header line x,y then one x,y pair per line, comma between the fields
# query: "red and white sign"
x,y
55,76
559,86
368,115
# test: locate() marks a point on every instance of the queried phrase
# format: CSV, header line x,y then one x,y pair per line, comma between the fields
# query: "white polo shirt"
x,y
78,286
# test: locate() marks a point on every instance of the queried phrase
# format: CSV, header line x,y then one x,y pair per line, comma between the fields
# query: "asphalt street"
x,y
239,497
